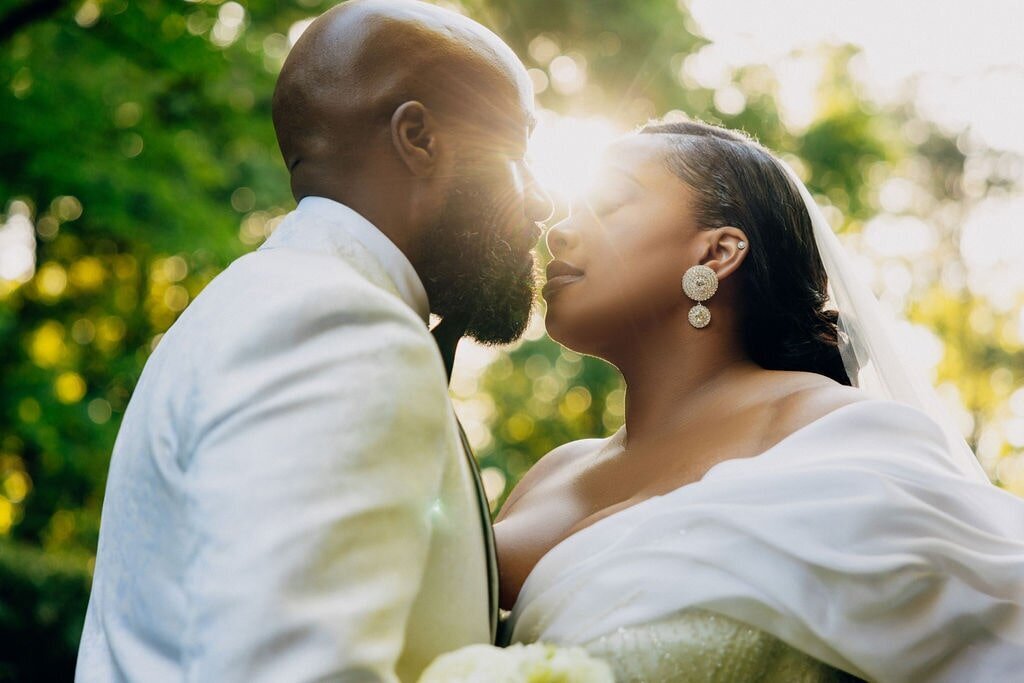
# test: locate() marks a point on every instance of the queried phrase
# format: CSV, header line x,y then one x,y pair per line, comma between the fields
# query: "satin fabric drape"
x,y
852,540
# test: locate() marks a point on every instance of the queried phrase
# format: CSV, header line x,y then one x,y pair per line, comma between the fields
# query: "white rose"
x,y
535,663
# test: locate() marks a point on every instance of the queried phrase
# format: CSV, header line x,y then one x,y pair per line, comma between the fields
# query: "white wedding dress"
x,y
852,546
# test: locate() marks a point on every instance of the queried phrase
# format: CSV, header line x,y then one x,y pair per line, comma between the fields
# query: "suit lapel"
x,y
485,520
447,341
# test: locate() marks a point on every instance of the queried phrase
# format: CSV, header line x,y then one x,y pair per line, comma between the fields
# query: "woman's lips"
x,y
560,274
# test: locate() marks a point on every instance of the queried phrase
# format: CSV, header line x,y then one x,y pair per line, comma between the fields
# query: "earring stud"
x,y
741,245
700,284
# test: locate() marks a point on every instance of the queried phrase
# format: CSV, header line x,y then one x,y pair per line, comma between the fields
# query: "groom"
x,y
289,498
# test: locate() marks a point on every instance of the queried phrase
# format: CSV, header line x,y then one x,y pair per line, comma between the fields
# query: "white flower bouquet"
x,y
535,663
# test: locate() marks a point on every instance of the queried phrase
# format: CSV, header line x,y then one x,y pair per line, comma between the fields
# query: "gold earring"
x,y
700,283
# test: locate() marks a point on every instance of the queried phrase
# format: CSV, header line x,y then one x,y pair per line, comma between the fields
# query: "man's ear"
x,y
414,135
726,249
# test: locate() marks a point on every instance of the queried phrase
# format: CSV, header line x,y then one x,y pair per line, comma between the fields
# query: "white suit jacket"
x,y
288,499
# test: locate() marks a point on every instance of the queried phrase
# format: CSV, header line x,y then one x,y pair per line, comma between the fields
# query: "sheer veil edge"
x,y
870,355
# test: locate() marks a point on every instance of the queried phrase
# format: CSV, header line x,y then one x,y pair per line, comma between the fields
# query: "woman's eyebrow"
x,y
622,171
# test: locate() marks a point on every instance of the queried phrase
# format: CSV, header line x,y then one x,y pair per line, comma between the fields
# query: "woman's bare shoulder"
x,y
805,398
555,461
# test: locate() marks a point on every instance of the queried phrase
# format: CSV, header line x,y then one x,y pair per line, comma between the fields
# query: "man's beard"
x,y
474,272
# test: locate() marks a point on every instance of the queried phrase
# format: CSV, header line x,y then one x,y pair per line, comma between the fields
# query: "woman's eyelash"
x,y
602,203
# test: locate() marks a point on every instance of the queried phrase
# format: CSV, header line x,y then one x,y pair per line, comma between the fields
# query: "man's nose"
x,y
537,202
561,237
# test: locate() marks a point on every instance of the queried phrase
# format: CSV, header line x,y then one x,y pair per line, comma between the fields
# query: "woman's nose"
x,y
561,238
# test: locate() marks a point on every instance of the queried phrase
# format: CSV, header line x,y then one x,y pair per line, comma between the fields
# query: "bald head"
x,y
418,118
360,61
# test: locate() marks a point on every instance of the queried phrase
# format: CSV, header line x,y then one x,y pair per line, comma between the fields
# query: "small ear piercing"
x,y
741,245
700,283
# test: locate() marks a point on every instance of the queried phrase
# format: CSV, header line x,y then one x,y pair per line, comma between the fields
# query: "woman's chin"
x,y
556,325
567,331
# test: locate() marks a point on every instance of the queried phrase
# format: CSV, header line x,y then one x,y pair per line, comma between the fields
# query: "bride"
x,y
758,518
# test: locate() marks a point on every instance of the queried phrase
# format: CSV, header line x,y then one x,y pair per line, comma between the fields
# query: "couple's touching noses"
x,y
291,496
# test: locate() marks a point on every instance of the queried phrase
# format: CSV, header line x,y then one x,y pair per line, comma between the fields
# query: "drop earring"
x,y
700,283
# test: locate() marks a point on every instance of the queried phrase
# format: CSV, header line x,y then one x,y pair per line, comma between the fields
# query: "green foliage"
x,y
137,141
546,396
42,608
145,158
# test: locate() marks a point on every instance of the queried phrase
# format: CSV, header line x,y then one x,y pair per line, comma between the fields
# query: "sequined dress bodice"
x,y
698,646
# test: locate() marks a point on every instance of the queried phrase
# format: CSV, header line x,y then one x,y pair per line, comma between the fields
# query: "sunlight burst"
x,y
565,151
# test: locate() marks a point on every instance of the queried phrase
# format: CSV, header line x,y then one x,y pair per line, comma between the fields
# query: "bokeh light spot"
x,y
29,410
16,486
51,281
176,298
494,483
519,427
69,387
99,411
87,273
6,515
46,346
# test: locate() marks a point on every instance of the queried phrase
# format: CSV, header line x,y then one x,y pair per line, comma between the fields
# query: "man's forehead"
x,y
510,114
526,107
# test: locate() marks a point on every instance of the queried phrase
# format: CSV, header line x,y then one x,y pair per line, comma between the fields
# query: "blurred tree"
x,y
138,159
139,148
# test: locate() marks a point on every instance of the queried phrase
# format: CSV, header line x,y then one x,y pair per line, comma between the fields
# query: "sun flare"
x,y
565,151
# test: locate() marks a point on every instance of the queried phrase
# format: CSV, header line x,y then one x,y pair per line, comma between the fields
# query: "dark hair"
x,y
737,182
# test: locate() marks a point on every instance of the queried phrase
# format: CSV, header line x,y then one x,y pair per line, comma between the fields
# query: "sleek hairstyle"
x,y
785,324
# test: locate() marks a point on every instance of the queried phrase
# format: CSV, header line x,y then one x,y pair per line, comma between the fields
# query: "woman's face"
x,y
620,256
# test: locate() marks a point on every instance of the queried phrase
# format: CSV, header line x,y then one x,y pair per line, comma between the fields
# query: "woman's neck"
x,y
673,371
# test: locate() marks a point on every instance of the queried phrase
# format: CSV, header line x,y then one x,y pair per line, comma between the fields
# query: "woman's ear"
x,y
727,247
414,136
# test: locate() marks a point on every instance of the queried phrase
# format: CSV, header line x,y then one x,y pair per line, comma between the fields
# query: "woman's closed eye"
x,y
605,200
